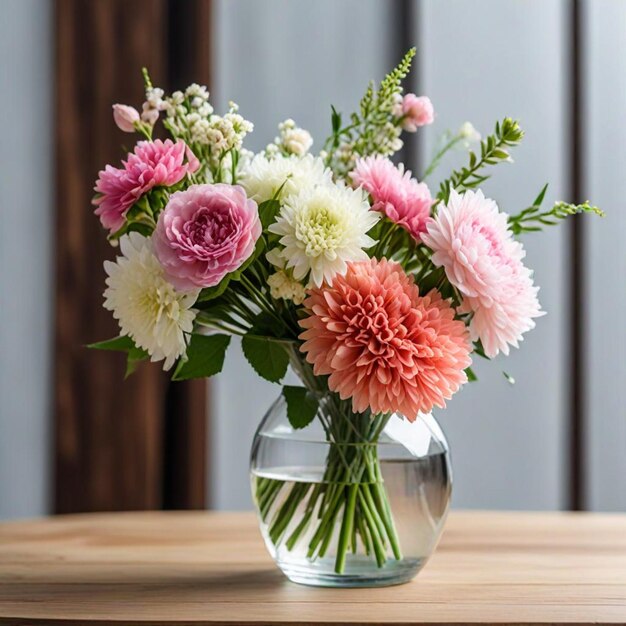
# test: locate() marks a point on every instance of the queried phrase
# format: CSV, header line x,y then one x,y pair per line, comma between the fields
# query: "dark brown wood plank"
x,y
110,448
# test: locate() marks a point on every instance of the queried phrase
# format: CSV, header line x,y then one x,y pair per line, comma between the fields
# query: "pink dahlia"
x,y
204,233
382,344
471,240
152,164
415,111
401,198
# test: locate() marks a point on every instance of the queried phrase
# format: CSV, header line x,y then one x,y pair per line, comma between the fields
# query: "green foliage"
x,y
134,355
373,129
509,378
302,406
471,375
269,357
268,211
205,357
493,150
532,219
211,293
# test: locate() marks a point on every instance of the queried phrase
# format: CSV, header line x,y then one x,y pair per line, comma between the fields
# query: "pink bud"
x,y
416,111
125,117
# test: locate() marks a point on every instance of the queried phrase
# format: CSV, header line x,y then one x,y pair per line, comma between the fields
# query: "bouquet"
x,y
375,287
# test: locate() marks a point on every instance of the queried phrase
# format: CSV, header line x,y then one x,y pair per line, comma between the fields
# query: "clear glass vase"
x,y
351,500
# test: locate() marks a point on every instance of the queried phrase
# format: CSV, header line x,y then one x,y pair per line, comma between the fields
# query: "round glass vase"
x,y
365,508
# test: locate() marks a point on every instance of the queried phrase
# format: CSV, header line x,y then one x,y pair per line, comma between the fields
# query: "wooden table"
x,y
211,568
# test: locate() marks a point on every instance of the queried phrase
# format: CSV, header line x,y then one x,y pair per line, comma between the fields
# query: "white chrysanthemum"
x,y
322,228
264,177
284,286
147,307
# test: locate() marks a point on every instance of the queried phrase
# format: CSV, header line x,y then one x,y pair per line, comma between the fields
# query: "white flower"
x,y
297,141
264,177
195,90
147,307
284,286
469,133
322,228
154,98
293,139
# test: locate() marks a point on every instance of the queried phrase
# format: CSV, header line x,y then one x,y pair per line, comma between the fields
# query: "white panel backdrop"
x,y
278,58
496,59
605,153
478,60
26,269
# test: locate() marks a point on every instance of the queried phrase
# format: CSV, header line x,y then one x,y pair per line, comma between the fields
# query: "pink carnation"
x,y
415,111
401,198
152,164
205,233
382,344
471,240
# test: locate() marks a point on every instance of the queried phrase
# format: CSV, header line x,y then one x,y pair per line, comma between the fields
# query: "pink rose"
x,y
415,112
152,164
204,233
125,117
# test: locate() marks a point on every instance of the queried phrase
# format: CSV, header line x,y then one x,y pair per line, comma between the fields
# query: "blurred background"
x,y
75,437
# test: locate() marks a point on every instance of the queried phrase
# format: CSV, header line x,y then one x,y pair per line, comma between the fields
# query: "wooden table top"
x,y
212,568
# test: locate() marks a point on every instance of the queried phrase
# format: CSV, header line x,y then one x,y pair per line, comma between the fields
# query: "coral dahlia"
x,y
382,344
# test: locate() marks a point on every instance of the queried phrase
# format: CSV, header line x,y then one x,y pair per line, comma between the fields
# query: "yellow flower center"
x,y
319,229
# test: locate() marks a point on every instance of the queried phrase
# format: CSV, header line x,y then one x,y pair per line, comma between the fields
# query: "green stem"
x,y
346,529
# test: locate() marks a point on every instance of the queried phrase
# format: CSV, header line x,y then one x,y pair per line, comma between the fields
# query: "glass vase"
x,y
352,499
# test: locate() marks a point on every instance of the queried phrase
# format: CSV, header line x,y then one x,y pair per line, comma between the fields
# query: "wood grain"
x,y
211,568
120,445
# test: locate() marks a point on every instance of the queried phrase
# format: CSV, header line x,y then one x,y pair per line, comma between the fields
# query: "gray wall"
x,y
509,442
478,60
26,208
280,59
605,153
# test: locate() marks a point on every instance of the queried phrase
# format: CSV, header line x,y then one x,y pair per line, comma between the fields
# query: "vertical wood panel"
x,y
482,61
577,274
110,445
605,300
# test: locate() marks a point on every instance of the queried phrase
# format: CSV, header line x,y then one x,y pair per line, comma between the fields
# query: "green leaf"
x,y
268,358
119,344
123,344
134,358
335,119
302,406
211,293
541,196
268,211
205,357
471,375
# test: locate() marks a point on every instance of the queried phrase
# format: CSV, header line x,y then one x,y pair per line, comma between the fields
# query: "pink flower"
x,y
205,233
152,164
401,198
415,111
471,240
382,344
125,117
